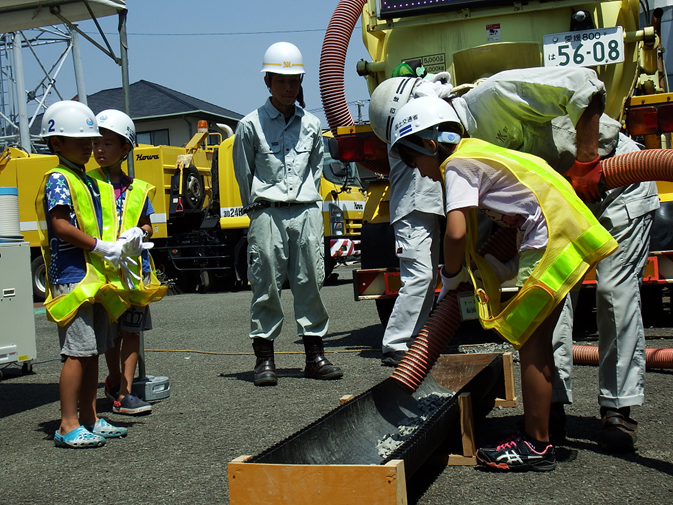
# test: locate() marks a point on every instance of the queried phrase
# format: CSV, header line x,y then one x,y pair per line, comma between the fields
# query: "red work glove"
x,y
585,177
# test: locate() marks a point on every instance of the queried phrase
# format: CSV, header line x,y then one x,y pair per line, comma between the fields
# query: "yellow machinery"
x,y
199,229
472,39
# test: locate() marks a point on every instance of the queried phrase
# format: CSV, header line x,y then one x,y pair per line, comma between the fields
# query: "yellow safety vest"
x,y
575,242
98,285
136,194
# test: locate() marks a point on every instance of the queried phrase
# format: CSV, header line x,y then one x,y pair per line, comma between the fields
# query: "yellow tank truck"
x,y
476,38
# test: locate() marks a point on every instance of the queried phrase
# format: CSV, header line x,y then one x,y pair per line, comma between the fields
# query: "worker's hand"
x,y
130,277
109,251
132,242
504,271
585,178
451,283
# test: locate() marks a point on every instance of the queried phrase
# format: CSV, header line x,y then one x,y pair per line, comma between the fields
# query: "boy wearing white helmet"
x,y
278,151
559,239
83,259
134,209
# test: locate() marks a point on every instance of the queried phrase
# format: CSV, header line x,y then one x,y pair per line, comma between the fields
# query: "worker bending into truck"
x,y
134,208
556,114
278,152
559,240
84,291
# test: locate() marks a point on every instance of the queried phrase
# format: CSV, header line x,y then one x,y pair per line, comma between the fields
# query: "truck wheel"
x,y
38,272
192,188
384,306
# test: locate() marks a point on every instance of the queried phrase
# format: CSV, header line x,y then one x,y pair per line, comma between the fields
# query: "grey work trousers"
x,y
286,244
417,237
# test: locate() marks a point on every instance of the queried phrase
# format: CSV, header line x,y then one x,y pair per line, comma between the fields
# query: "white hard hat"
x,y
283,58
421,116
70,119
386,100
118,122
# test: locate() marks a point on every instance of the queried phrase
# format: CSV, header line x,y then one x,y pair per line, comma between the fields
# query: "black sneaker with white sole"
x,y
517,454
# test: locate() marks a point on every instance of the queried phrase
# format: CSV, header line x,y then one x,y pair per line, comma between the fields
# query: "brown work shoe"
x,y
618,430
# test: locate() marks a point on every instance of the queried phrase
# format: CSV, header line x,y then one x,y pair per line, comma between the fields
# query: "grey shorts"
x,y
89,333
135,319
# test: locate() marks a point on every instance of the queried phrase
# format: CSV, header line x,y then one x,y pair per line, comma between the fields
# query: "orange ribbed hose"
x,y
654,358
638,166
332,62
437,332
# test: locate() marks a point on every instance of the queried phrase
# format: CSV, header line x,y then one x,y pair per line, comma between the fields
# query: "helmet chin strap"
x,y
69,163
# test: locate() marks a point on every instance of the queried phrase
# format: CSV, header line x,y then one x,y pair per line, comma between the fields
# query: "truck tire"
x,y
38,279
193,191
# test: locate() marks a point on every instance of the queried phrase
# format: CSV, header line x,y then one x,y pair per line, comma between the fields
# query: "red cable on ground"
x,y
654,358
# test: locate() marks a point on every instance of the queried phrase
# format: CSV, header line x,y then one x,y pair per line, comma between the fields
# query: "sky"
x,y
213,50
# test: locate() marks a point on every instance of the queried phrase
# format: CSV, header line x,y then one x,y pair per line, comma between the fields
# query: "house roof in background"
x,y
150,100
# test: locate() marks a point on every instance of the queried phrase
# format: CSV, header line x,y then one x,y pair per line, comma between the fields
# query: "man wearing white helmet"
x,y
556,114
83,256
278,151
416,209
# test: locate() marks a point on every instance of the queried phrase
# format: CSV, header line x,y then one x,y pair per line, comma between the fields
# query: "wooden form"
x,y
344,484
254,483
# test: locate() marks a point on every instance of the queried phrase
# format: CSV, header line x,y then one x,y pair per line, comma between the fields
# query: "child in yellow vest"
x,y
111,149
559,239
83,258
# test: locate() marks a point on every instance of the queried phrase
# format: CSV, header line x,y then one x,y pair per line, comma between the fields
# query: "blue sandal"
x,y
79,438
104,429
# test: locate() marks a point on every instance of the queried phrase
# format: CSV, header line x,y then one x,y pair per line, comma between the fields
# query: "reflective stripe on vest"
x,y
134,202
95,287
575,242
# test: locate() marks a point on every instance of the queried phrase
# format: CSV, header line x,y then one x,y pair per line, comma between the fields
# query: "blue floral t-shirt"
x,y
68,262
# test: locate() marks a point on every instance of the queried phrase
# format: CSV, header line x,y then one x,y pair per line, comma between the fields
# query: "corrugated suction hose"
x,y
332,62
638,166
654,358
437,332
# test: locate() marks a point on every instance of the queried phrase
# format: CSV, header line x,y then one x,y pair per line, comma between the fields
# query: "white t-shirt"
x,y
495,191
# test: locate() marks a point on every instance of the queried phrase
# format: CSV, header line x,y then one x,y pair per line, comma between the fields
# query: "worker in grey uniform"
x,y
415,211
278,154
555,113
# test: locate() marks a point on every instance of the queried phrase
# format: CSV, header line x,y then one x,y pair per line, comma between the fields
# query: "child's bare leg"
x,y
130,350
112,358
88,392
69,387
537,371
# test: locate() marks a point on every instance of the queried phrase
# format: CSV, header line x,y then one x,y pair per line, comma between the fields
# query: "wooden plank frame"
x,y
254,483
510,399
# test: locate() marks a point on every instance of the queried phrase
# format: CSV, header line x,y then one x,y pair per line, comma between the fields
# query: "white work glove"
x,y
129,275
109,251
504,271
132,242
451,283
438,85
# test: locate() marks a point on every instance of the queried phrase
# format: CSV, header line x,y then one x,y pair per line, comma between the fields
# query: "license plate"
x,y
584,48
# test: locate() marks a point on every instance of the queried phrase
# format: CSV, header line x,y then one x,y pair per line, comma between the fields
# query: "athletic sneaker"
x,y
131,405
517,453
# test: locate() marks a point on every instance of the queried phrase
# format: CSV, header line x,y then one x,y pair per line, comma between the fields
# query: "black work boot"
x,y
618,430
317,365
265,368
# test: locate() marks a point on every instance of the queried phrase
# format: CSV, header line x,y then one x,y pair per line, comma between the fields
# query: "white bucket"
x,y
9,215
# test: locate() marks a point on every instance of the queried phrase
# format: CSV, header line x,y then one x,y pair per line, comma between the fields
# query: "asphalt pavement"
x,y
179,453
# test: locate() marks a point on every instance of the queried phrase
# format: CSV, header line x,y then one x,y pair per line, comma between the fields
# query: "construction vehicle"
x,y
199,227
476,38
